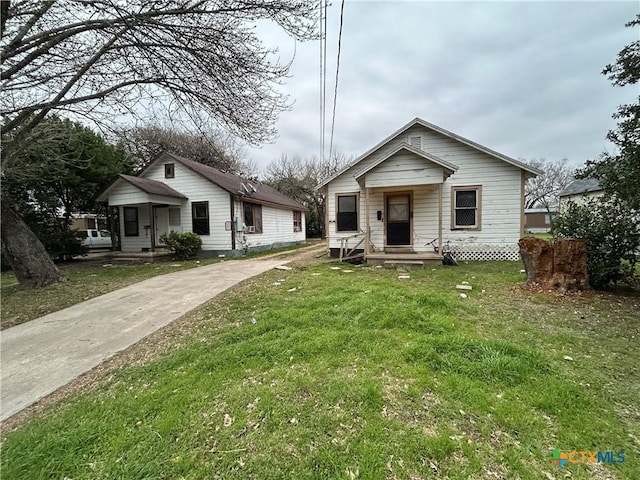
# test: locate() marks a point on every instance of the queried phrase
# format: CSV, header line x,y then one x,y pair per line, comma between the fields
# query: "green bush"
x,y
611,231
182,245
63,245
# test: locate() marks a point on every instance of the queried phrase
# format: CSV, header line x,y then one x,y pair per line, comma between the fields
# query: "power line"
x,y
324,85
335,93
321,88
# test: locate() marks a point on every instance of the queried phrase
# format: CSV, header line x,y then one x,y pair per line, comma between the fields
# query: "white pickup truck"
x,y
95,238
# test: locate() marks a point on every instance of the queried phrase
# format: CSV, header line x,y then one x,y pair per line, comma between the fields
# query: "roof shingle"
x,y
152,187
582,185
234,184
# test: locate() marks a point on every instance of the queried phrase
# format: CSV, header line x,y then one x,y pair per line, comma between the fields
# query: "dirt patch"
x,y
399,405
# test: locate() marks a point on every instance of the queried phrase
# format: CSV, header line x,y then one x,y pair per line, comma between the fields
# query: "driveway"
x,y
42,355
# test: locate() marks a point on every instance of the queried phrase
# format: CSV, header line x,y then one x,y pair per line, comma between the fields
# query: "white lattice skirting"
x,y
486,252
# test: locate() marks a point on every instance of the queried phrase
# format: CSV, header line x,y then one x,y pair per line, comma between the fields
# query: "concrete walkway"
x,y
42,355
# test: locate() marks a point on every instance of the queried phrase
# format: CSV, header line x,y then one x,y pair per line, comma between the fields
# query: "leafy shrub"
x,y
611,231
182,245
63,244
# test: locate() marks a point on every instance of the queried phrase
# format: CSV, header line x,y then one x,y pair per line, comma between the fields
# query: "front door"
x,y
399,219
161,222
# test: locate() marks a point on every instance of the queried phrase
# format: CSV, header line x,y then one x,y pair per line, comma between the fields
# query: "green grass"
x,y
360,375
87,279
84,281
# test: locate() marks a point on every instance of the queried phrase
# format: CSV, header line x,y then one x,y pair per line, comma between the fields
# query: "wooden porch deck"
x,y
408,259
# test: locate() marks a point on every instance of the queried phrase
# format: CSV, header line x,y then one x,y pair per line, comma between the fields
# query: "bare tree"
x,y
543,191
298,178
214,148
195,60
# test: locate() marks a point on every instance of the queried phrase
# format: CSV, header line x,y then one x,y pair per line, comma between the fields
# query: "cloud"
x,y
519,77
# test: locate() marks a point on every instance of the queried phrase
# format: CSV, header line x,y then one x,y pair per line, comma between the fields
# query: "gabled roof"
x,y
447,133
582,185
152,187
406,147
234,184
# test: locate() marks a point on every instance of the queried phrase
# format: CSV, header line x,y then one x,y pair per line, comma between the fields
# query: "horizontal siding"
x,y
277,228
126,194
425,218
403,169
501,194
143,240
579,199
345,183
198,189
277,223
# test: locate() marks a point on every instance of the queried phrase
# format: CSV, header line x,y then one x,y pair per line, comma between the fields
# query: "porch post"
x,y
367,233
152,224
440,219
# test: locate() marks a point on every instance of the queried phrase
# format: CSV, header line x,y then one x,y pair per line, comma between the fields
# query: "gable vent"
x,y
415,141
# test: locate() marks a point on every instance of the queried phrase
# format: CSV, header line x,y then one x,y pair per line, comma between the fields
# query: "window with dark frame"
x,y
297,221
200,218
466,202
253,217
347,213
169,170
130,215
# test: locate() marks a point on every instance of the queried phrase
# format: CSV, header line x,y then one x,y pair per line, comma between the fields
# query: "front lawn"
x,y
87,278
356,373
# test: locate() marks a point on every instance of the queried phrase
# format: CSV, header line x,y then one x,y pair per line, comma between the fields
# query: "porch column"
x,y
367,233
152,224
440,219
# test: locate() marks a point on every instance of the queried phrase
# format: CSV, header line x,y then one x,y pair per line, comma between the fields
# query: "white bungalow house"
x,y
230,213
424,183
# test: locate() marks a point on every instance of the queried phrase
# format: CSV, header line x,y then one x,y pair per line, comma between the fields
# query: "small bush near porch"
x,y
182,245
357,374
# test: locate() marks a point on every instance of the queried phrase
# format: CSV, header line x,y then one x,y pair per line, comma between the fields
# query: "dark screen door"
x,y
398,219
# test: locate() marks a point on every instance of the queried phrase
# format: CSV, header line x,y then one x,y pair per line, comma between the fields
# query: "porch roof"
x,y
440,169
145,190
152,187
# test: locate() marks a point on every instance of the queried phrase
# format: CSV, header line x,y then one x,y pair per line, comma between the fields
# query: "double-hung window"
x,y
200,217
297,221
130,215
253,217
466,212
347,213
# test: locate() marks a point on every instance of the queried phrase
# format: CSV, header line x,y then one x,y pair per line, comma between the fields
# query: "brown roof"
x,y
152,187
234,184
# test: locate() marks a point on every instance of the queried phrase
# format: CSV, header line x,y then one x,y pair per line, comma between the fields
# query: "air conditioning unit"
x,y
251,229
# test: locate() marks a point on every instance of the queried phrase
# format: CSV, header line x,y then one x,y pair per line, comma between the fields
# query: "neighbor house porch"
x,y
147,209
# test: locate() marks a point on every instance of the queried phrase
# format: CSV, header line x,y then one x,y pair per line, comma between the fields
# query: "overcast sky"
x,y
522,78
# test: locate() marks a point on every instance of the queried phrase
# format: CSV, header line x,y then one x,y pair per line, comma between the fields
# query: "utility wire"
x,y
324,85
322,81
335,93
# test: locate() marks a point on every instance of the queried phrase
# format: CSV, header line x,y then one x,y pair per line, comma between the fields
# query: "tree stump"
x,y
561,265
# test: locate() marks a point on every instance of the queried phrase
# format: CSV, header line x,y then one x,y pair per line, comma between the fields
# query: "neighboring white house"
x,y
423,183
230,213
580,191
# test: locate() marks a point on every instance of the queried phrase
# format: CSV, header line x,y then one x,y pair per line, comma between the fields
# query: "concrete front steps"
x,y
404,259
